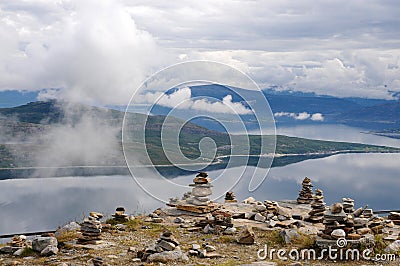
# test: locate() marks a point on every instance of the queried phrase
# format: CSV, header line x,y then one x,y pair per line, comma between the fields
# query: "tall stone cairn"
x,y
318,207
201,190
305,194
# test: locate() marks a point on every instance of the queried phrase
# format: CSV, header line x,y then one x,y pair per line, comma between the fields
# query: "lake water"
x,y
42,204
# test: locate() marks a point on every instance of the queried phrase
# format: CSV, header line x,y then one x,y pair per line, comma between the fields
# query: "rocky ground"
x,y
123,241
195,231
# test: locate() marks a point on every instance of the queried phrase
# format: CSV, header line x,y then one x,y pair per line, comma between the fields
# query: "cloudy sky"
x,y
102,50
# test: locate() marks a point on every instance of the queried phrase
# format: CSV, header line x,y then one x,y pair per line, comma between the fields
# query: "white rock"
x,y
208,229
260,218
260,208
49,251
393,247
40,243
338,233
249,200
230,231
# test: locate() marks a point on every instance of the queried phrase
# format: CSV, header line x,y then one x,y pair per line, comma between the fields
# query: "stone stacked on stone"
x,y
316,215
395,217
217,222
334,221
230,197
348,205
368,213
272,206
18,241
91,230
201,190
164,250
305,194
120,215
197,201
206,251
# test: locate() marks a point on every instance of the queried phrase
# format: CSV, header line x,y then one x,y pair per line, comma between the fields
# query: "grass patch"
x,y
227,239
67,236
133,225
380,245
273,238
28,252
304,241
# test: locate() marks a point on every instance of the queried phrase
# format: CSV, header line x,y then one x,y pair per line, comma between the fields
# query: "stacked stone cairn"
x,y
348,205
338,224
305,194
165,247
91,229
395,217
201,190
17,242
230,197
316,215
120,216
204,251
219,221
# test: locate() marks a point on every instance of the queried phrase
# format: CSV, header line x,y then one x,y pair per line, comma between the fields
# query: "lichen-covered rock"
x,y
40,243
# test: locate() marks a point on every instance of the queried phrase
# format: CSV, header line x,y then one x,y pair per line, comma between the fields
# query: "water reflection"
x,y
336,133
42,204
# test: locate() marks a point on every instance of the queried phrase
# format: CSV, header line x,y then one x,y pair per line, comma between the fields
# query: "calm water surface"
x,y
42,204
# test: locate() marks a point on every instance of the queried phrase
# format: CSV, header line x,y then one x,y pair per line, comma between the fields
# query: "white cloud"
x,y
301,116
317,117
182,99
101,51
94,54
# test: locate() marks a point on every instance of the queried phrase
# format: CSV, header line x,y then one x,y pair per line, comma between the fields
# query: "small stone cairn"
x,y
305,194
230,197
17,242
318,207
120,216
165,249
348,205
338,224
219,221
91,229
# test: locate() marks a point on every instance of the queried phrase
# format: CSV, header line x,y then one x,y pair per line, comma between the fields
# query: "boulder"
x,y
260,218
49,251
246,236
40,243
393,247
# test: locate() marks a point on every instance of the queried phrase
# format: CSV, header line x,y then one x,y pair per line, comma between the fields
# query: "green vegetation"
x,y
39,117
